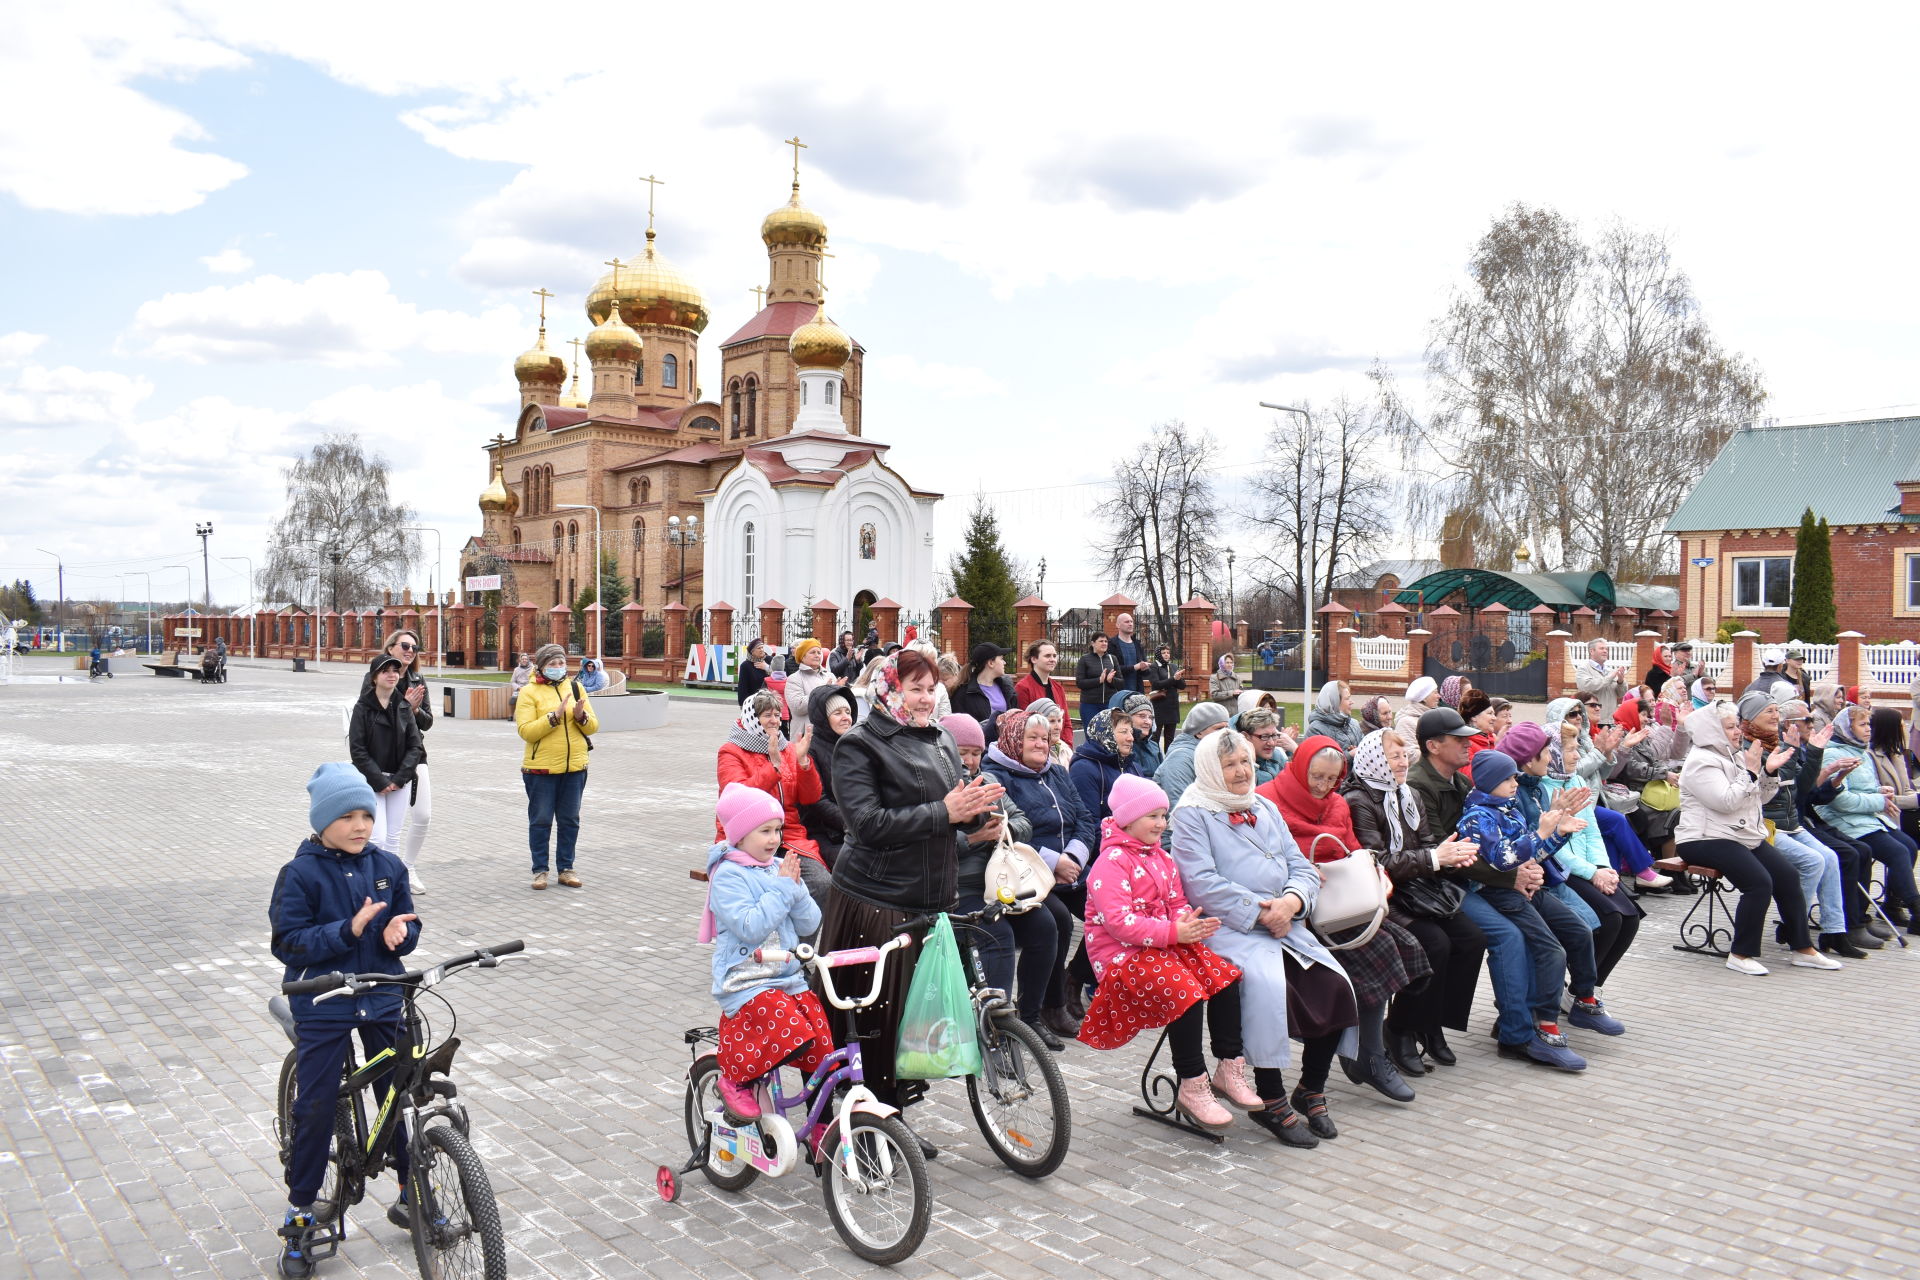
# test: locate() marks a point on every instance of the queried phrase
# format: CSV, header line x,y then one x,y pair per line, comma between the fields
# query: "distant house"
x,y
1365,589
1736,529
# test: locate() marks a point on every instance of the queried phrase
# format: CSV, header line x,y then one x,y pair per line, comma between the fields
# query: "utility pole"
x,y
203,532
59,618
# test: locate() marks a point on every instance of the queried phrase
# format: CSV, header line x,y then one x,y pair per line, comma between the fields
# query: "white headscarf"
x,y
1209,787
1422,689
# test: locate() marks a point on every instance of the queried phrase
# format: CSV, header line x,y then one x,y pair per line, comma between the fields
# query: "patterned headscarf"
x,y
1397,800
1225,665
1376,713
1562,762
746,731
1013,730
1452,689
889,691
1100,730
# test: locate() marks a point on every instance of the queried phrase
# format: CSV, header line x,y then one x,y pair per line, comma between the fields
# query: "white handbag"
x,y
1016,875
1352,894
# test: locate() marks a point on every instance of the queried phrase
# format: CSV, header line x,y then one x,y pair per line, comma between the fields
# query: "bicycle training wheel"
x,y
886,1221
340,1186
703,1095
456,1220
1020,1099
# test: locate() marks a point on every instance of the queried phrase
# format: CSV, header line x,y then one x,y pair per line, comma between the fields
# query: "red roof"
x,y
1120,600
557,417
1030,602
953,602
777,320
700,451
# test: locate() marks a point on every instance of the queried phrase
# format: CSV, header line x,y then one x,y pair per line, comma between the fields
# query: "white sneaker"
x,y
414,882
1747,965
1815,961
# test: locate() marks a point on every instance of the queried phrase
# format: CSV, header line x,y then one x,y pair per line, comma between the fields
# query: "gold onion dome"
x,y
613,340
794,223
495,496
652,291
539,364
820,344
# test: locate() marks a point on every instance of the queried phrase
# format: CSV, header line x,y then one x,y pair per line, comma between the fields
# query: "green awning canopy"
x,y
1518,591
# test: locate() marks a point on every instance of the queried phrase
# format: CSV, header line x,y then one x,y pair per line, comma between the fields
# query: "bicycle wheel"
x,y
456,1220
1019,1098
342,1183
703,1095
885,1222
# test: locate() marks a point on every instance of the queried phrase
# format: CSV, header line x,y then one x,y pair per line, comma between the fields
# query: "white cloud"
x,y
342,319
75,137
18,345
931,375
39,396
227,262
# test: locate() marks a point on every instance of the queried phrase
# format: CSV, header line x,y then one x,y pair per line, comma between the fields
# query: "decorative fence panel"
x,y
1379,653
1891,666
1620,653
1717,658
1822,660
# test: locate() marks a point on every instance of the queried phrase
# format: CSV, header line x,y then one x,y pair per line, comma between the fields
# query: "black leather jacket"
x,y
970,700
423,715
385,742
891,781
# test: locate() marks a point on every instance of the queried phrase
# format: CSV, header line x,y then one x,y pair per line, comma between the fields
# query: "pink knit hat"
x,y
742,808
966,731
1134,797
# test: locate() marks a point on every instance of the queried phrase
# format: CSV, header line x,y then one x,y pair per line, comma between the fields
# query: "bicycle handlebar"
x,y
485,956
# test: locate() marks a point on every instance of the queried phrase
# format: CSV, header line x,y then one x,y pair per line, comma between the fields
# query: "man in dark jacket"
x,y
1131,655
1097,674
845,660
341,906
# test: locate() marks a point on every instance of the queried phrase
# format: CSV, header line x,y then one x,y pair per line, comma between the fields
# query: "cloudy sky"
x,y
232,228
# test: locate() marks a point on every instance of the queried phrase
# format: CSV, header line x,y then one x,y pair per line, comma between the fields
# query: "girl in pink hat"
x,y
1149,952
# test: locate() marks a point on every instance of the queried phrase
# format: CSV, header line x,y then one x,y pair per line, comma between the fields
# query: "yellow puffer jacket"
x,y
553,748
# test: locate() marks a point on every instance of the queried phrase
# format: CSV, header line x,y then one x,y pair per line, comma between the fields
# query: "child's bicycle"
x,y
455,1219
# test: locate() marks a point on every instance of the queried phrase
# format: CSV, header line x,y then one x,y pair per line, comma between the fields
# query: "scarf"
x,y
1013,729
748,734
1420,690
709,927
1208,790
1843,728
1225,665
1397,802
1452,689
1375,713
1699,692
1562,762
1307,817
1627,715
1100,731
1750,731
889,692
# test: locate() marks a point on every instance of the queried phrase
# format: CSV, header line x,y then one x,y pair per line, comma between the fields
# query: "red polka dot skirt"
x,y
768,1029
1150,988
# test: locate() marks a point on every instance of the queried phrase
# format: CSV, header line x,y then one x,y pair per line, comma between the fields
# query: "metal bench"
x,y
1712,933
1158,1088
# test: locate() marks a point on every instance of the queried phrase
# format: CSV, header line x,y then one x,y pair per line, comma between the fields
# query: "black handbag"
x,y
1429,896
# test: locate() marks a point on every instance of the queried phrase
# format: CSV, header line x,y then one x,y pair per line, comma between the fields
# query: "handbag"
x,y
1429,896
1016,875
1351,896
1660,795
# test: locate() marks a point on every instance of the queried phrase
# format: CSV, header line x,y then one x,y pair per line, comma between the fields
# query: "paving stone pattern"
x,y
1743,1127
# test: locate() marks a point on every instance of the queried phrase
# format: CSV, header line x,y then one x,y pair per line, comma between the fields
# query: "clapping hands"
x,y
1191,926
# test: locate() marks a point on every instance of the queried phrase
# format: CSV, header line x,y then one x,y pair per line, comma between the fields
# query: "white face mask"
x,y
555,673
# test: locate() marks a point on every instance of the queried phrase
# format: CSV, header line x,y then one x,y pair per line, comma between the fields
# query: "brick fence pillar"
x,y
523,630
1118,603
594,642
826,621
1029,623
631,616
1196,643
720,623
1744,667
1847,666
953,614
676,621
886,619
1417,653
1559,683
430,636
1645,645
773,623
1340,661
560,626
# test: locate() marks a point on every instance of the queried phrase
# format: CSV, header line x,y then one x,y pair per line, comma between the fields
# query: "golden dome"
x,y
495,496
613,340
794,223
539,364
820,344
652,291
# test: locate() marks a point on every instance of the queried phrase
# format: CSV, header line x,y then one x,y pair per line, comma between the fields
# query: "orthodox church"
x,y
769,491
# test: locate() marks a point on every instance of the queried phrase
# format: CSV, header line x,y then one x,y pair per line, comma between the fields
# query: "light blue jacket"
x,y
755,907
1858,808
1175,773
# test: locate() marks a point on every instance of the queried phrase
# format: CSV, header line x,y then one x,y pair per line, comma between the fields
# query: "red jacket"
x,y
796,783
1027,691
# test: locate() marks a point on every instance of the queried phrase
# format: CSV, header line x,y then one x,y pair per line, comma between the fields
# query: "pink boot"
x,y
1196,1102
739,1100
1230,1082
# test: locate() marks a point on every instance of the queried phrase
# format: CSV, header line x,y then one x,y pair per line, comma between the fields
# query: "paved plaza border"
x,y
1743,1127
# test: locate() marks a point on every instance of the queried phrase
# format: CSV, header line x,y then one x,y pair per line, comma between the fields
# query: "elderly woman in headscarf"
x,y
1388,819
1423,695
1225,682
1307,794
1376,713
1138,709
1058,727
1331,715
1828,697
1861,810
1453,689
1651,767
758,755
1577,759
1100,760
1240,864
1701,691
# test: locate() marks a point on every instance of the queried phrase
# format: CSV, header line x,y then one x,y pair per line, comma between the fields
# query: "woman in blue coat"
x,y
1098,762
1239,863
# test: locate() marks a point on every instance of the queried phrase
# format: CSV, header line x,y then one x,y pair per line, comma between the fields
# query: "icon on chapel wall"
x,y
869,542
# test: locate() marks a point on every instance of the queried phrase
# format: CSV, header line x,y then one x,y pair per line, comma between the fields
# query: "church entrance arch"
x,y
862,615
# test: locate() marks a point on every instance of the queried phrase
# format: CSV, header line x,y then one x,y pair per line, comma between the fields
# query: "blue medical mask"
x,y
555,673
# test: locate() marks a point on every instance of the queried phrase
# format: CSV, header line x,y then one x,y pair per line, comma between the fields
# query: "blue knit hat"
x,y
336,790
1491,768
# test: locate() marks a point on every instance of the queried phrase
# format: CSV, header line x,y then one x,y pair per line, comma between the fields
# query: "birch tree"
x,y
342,538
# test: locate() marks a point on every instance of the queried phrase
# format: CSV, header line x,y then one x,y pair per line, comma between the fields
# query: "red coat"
x,y
1027,691
796,783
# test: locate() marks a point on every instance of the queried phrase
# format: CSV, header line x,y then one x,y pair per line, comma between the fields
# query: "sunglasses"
x,y
408,645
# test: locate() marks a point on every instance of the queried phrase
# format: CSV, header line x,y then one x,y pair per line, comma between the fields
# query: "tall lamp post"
x,y
683,536
60,618
1313,561
203,532
1232,626
599,632
433,588
141,573
189,572
251,611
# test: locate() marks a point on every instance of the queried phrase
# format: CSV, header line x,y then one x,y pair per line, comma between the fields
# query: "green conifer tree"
x,y
984,577
1811,618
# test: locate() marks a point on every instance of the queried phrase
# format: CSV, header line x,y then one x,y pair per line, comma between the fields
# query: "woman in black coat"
x,y
1098,675
386,747
988,694
1165,683
405,645
753,672
833,713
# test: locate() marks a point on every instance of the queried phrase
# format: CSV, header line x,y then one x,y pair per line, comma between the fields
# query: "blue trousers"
x,y
1525,961
553,798
1569,927
1819,871
322,1047
1625,850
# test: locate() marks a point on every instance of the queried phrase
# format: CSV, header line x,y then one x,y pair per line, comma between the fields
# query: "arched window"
x,y
646,489
753,405
829,391
746,544
526,489
733,389
640,371
559,534
573,537
516,535
803,391
703,424
669,370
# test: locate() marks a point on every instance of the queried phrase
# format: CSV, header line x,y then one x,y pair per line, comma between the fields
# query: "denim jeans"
x,y
551,798
1569,928
1625,850
1524,960
1030,935
1819,869
1894,850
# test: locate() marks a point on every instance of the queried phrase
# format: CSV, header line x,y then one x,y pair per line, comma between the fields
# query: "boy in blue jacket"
x,y
341,905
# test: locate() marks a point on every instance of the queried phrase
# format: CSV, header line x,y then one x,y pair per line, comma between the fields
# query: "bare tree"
x,y
1577,395
1322,503
1162,523
341,539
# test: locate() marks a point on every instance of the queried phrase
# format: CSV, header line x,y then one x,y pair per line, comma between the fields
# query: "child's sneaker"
x,y
739,1100
1230,1082
295,1253
1196,1102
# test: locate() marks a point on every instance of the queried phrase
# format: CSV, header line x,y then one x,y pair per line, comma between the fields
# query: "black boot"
x,y
1045,1033
1380,1073
1837,944
1864,938
1283,1122
1897,915
1314,1107
1061,1023
1435,1041
1405,1052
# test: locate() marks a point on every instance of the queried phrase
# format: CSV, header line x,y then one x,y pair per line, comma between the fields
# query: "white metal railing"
x,y
1822,659
1379,653
1620,653
1891,666
1717,658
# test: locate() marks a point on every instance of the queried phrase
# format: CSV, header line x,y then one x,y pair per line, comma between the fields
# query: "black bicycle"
x,y
455,1219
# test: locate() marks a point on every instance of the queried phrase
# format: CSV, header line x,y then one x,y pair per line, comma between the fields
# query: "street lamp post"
x,y
433,588
60,618
203,532
1313,554
252,612
599,632
189,572
683,536
141,573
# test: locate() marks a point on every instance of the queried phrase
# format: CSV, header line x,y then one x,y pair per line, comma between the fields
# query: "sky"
x,y
232,228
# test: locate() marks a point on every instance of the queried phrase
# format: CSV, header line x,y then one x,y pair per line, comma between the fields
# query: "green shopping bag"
x,y
937,1035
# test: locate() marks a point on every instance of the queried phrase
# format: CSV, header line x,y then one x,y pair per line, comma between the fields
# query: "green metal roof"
x,y
1639,595
1521,591
1765,477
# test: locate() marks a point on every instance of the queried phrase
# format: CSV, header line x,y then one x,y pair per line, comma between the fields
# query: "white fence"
x,y
1620,653
1379,653
1821,660
1891,666
1717,658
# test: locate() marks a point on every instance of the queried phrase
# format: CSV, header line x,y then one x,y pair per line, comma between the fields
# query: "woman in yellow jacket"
x,y
556,721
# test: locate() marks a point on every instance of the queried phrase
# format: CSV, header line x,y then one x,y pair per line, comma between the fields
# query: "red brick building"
x,y
1736,529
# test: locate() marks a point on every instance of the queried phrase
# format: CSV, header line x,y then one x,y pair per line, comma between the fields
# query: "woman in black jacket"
x,y
988,694
833,712
1165,683
405,645
386,747
1098,676
753,672
1388,818
902,794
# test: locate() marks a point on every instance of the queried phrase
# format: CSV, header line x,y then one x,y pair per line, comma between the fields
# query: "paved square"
x,y
1742,1127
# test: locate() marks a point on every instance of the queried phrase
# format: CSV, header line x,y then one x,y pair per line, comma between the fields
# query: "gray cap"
x,y
1204,716
1753,702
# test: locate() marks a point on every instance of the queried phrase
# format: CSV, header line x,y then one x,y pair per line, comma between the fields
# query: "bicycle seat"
x,y
283,1014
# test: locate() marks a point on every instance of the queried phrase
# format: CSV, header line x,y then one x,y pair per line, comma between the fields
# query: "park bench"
x,y
1712,934
1158,1088
172,666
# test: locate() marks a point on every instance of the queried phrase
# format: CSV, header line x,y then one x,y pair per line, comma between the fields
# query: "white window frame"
x,y
1738,606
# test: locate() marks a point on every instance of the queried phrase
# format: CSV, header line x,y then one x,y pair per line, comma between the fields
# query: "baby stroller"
x,y
213,667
